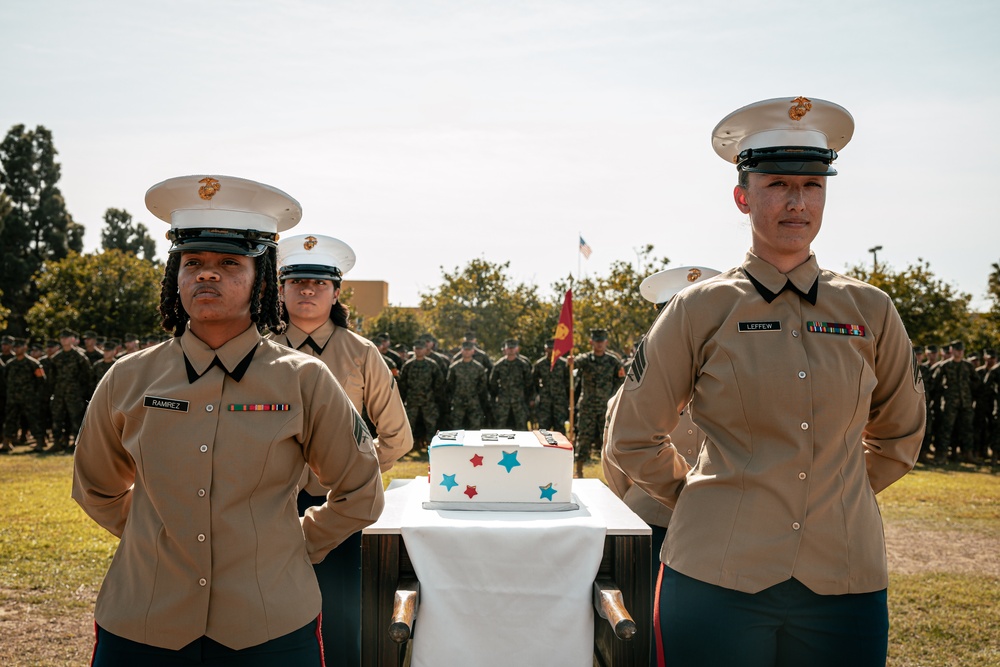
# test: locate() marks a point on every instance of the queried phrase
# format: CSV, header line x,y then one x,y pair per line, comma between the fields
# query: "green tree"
x,y
111,292
36,227
986,326
613,302
932,310
4,314
993,287
483,298
402,324
120,233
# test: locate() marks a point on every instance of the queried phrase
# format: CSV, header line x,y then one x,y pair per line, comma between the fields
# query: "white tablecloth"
x,y
502,588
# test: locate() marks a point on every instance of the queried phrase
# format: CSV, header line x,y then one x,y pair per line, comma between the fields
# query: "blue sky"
x,y
425,134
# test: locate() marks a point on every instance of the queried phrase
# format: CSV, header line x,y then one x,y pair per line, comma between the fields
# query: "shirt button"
x,y
201,493
802,475
209,407
795,334
202,582
203,448
802,374
690,432
796,526
805,426
201,537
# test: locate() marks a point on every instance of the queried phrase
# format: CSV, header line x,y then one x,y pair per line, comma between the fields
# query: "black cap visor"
x,y
249,242
788,160
309,271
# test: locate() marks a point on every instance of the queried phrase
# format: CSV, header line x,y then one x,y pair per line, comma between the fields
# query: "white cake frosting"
x,y
480,469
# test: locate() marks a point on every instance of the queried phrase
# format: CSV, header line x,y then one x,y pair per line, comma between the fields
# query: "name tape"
x,y
760,326
161,403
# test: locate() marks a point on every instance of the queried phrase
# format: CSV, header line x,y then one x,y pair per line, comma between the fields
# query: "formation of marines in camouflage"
x,y
963,404
44,392
476,392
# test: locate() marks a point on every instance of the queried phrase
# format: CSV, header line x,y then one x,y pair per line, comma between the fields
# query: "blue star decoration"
x,y
509,461
547,491
448,482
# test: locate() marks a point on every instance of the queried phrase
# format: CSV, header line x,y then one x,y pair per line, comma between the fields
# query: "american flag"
x,y
585,249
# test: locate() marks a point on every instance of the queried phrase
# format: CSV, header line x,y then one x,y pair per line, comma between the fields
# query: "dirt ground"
x,y
32,637
914,551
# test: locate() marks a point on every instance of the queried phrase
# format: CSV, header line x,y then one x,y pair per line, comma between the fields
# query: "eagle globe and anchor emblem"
x,y
209,187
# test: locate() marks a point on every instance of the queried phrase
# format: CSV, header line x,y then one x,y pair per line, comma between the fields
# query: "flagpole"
x,y
579,235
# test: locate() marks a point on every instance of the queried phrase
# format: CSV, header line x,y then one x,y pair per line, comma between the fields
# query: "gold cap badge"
x,y
800,107
693,275
209,186
309,243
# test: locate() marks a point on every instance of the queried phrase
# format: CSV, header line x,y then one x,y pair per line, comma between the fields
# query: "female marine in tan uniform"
x,y
311,268
191,452
804,383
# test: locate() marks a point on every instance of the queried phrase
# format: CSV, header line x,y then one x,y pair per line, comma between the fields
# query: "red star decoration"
x,y
477,461
470,491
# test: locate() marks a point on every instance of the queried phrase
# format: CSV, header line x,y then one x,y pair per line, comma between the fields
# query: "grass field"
x,y
942,528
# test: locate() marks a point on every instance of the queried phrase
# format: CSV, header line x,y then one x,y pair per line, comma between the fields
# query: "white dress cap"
x,y
217,213
661,286
785,121
314,256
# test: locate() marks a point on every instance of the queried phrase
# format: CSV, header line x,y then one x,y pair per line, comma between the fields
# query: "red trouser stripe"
x,y
657,634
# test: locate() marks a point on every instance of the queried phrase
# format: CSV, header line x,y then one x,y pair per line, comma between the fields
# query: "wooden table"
x,y
626,561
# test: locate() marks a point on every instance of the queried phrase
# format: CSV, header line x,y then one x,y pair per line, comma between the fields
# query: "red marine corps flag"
x,y
564,330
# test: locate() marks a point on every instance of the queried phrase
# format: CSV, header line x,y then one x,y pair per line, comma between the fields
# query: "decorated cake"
x,y
500,469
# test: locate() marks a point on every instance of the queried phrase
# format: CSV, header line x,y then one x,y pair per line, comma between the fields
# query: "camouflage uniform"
x,y
72,385
926,374
468,396
958,383
25,382
552,390
443,361
480,356
420,383
395,358
982,417
599,377
3,400
990,394
510,385
45,394
100,368
393,368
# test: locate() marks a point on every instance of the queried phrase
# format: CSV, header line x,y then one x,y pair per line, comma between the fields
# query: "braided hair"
x,y
173,316
265,308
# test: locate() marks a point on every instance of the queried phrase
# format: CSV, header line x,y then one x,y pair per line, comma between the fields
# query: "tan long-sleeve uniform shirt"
x,y
809,410
358,366
686,439
177,458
